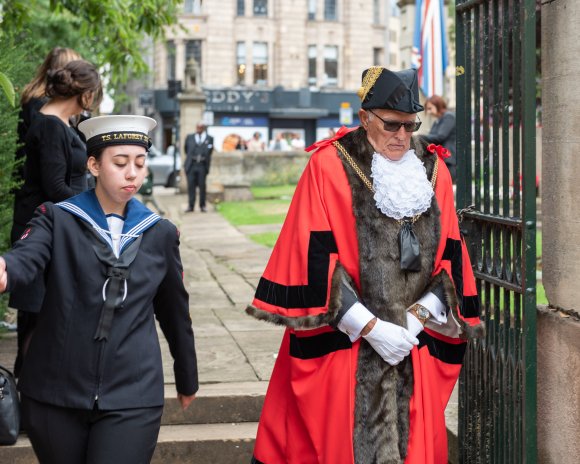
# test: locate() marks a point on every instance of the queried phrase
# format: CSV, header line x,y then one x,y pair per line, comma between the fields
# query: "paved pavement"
x,y
222,268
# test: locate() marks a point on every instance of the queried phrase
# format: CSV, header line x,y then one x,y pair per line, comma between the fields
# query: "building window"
x,y
260,7
312,64
377,56
193,50
376,12
392,36
392,59
241,62
241,7
260,61
330,10
192,7
170,60
312,9
331,64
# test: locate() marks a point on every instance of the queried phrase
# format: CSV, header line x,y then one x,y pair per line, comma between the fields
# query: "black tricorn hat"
x,y
390,90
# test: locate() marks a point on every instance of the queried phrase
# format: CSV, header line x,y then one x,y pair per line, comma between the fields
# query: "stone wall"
x,y
237,170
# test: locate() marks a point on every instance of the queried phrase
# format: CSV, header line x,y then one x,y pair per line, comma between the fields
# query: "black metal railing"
x,y
496,187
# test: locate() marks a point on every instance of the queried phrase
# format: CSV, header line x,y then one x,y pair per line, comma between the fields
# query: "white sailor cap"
x,y
102,131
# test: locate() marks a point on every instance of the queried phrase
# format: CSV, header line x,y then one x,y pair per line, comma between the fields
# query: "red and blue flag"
x,y
429,55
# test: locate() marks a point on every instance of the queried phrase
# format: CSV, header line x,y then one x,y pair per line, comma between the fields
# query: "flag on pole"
x,y
429,54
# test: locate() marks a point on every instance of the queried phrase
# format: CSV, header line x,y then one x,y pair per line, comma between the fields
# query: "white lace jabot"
x,y
402,188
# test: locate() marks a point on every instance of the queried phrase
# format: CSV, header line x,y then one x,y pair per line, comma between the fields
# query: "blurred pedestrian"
x,y
256,143
198,150
443,130
297,142
55,169
91,384
279,143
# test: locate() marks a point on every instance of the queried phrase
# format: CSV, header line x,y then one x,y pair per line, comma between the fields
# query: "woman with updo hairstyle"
x,y
34,93
54,169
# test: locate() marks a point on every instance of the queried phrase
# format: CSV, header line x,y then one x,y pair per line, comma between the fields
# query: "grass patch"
x,y
245,213
541,295
283,192
269,206
267,238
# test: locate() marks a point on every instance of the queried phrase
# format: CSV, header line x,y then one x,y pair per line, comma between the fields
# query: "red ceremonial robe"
x,y
308,414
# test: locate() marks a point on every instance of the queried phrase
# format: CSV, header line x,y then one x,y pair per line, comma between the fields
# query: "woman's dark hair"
x,y
97,153
77,78
438,103
56,59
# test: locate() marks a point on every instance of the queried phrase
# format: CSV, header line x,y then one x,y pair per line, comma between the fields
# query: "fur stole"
x,y
383,391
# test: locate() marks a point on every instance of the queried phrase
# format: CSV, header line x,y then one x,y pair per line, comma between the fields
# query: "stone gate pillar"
x,y
559,326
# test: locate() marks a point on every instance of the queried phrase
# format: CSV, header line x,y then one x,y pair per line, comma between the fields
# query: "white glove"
x,y
392,342
414,325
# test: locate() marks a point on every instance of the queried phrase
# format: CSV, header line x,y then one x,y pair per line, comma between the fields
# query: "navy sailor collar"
x,y
86,206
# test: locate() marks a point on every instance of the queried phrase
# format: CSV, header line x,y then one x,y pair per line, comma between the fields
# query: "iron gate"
x,y
496,116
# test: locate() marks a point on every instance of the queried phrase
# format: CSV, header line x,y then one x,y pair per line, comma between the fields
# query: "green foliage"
x,y
17,62
109,33
8,88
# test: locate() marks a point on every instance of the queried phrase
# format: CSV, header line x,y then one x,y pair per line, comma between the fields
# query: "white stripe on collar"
x,y
136,231
81,213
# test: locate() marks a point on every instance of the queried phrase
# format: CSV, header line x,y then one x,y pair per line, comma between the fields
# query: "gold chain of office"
x,y
368,183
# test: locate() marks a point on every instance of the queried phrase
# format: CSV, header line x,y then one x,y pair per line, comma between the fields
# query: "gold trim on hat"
x,y
369,81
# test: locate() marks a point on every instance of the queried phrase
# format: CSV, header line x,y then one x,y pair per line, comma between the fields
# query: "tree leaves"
x,y
107,32
8,88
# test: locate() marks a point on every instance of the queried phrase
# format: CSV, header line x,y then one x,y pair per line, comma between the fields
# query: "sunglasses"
x,y
394,126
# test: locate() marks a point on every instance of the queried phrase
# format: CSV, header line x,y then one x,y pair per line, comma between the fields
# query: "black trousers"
x,y
78,436
196,179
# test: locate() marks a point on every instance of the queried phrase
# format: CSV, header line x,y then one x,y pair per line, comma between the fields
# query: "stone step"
x,y
178,444
224,402
208,443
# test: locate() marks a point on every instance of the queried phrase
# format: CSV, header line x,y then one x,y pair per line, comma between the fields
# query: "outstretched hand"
x,y
185,400
3,275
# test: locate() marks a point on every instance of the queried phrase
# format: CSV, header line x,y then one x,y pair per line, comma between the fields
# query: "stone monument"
x,y
191,109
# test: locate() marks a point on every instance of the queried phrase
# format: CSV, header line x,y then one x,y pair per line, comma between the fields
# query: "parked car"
x,y
162,166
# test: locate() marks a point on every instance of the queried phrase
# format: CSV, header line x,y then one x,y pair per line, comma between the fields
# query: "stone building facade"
x,y
275,65
293,44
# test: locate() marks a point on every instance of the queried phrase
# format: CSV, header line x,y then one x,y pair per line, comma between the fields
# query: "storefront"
x,y
300,116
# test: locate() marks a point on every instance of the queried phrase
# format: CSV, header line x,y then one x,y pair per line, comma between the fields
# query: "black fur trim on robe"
x,y
383,392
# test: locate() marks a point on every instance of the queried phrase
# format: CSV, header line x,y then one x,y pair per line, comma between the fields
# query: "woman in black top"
x,y
54,168
92,381
34,95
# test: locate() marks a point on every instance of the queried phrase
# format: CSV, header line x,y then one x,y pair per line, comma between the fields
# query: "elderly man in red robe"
x,y
372,279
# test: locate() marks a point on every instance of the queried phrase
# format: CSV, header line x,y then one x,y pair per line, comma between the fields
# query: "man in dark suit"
x,y
198,150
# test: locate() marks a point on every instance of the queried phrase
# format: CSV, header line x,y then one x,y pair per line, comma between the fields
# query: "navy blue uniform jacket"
x,y
64,365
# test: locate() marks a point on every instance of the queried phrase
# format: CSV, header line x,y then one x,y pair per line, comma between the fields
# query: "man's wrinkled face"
x,y
392,145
